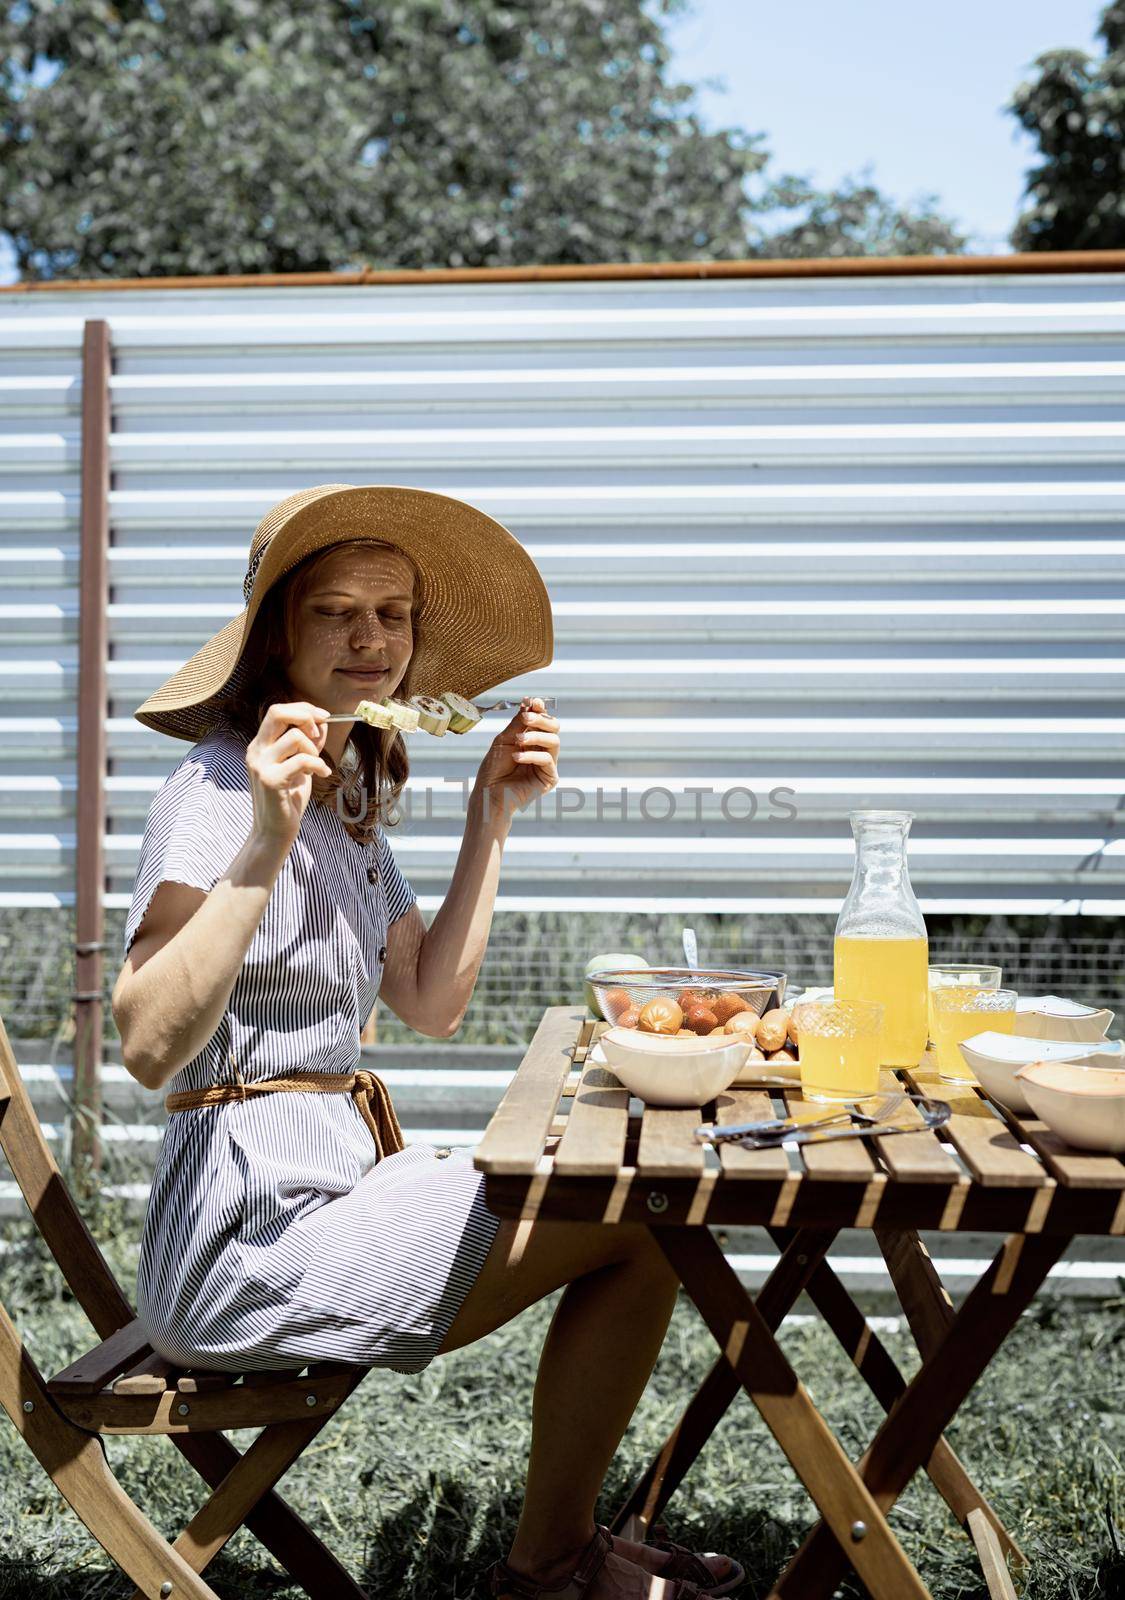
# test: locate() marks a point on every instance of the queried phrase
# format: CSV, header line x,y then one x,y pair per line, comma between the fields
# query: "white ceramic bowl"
x,y
1050,1016
996,1057
1084,1105
666,1071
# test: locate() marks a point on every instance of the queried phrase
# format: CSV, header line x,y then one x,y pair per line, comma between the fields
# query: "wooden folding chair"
x,y
123,1386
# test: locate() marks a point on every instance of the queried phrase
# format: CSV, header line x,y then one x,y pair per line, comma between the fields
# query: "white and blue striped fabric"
x,y
274,1236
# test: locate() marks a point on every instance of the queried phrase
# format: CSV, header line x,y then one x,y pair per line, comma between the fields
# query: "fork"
x,y
783,1127
849,1112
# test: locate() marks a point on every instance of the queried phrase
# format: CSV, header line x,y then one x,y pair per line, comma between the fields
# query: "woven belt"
x,y
368,1090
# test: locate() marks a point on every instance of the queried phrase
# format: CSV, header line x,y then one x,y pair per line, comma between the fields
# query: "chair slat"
x,y
153,1374
56,1216
271,1378
197,1380
98,1367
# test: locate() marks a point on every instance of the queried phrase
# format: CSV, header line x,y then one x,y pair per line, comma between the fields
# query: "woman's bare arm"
x,y
429,976
171,993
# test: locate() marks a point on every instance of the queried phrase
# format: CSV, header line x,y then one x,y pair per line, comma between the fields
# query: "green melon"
x,y
616,959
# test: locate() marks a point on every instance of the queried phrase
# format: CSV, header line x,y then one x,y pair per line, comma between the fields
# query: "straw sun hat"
x,y
481,612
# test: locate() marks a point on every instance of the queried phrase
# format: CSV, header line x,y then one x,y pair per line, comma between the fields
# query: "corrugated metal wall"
x,y
859,539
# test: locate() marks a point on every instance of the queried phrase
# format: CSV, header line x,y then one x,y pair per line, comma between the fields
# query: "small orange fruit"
x,y
728,1005
616,1001
699,1019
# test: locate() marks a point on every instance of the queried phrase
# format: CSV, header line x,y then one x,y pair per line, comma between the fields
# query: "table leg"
x,y
930,1401
876,1367
930,1313
843,1499
800,1256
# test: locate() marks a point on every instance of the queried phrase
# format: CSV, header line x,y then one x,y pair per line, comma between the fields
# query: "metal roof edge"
x,y
1033,262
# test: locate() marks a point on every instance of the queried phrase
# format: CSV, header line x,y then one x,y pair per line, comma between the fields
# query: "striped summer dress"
x,y
274,1236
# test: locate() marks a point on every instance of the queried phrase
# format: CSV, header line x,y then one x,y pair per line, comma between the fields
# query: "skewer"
x,y
549,703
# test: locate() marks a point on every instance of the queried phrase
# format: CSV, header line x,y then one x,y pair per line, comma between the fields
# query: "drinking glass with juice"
x,y
881,951
960,975
839,1048
960,1011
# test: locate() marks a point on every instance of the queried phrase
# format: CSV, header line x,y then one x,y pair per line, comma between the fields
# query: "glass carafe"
x,y
881,948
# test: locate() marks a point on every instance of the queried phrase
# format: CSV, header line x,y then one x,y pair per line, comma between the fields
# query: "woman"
x,y
286,1223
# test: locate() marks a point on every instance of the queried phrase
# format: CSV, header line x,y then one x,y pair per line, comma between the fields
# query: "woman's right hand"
x,y
281,759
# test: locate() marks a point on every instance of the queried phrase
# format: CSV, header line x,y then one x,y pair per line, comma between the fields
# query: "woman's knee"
x,y
627,1244
646,1252
526,1263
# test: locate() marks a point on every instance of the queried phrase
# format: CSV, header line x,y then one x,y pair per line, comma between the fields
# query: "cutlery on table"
x,y
774,1130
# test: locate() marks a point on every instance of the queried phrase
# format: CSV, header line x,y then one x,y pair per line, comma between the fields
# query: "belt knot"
x,y
373,1100
369,1092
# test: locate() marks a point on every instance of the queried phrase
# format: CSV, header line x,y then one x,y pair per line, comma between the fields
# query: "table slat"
x,y
749,1105
841,1160
668,1147
594,1140
1080,1169
914,1157
987,1145
514,1139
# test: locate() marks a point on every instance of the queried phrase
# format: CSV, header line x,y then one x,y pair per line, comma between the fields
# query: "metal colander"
x,y
615,991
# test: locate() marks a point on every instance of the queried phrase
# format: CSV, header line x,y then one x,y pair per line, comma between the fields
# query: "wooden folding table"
x,y
564,1144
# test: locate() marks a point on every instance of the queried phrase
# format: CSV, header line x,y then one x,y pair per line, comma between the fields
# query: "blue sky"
x,y
914,92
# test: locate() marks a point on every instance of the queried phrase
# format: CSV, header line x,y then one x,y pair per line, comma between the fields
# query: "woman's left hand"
x,y
521,763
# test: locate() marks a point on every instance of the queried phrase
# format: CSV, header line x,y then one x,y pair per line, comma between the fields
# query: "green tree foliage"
x,y
1075,108
854,219
229,136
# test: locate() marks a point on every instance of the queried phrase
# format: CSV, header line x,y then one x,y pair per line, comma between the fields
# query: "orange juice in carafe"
x,y
881,948
893,972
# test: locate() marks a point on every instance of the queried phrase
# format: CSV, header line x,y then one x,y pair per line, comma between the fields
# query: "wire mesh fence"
x,y
533,961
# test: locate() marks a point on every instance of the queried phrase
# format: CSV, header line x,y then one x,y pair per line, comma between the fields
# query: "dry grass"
x,y
417,1481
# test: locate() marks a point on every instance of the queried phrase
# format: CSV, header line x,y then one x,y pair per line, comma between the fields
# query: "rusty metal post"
x,y
86,1148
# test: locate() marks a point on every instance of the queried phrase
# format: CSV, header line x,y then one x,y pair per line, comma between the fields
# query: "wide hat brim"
x,y
481,611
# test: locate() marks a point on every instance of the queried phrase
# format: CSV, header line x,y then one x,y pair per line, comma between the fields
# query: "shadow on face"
x,y
353,625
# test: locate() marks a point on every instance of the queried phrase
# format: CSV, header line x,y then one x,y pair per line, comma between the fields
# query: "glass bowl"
x,y
619,992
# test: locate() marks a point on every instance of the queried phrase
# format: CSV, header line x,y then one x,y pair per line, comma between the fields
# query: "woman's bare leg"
x,y
599,1353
